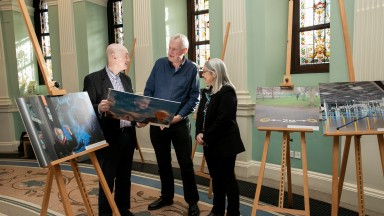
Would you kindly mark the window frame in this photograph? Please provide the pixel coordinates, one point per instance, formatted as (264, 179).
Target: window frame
(191, 13)
(111, 22)
(39, 35)
(296, 68)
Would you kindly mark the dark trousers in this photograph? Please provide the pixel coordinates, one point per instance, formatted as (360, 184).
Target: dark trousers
(117, 172)
(224, 183)
(180, 136)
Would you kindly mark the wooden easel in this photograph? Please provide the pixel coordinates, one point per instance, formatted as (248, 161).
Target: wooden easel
(127, 72)
(287, 81)
(54, 166)
(338, 180)
(285, 167)
(201, 171)
(50, 84)
(54, 170)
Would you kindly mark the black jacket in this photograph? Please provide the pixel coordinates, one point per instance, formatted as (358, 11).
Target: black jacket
(222, 134)
(97, 84)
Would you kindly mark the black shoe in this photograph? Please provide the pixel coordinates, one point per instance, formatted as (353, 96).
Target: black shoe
(193, 210)
(124, 213)
(129, 213)
(213, 214)
(159, 203)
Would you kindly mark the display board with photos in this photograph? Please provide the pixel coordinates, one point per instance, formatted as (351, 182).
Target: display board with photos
(60, 126)
(297, 108)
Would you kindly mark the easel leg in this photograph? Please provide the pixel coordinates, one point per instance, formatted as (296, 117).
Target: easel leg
(261, 173)
(103, 184)
(305, 173)
(359, 175)
(380, 141)
(81, 185)
(289, 176)
(210, 191)
(201, 172)
(283, 167)
(335, 176)
(62, 190)
(47, 191)
(202, 167)
(344, 165)
(141, 154)
(194, 149)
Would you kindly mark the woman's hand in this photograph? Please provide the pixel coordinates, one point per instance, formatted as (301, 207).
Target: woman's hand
(199, 139)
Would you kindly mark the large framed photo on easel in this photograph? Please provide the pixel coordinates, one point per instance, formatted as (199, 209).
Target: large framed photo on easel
(286, 110)
(60, 126)
(69, 119)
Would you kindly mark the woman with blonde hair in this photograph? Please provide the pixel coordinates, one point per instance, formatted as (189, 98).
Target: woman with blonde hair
(218, 132)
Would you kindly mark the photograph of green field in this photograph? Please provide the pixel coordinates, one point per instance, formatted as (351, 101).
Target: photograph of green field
(277, 107)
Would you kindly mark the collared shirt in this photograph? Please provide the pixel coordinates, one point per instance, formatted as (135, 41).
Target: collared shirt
(180, 66)
(118, 85)
(115, 80)
(181, 85)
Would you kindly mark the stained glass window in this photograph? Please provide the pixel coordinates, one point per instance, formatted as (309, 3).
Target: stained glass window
(311, 47)
(198, 33)
(42, 33)
(25, 66)
(115, 21)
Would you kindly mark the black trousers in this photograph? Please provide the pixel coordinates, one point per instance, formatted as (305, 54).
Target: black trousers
(117, 172)
(224, 183)
(179, 134)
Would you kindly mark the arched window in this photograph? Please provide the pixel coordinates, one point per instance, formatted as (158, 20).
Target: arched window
(115, 21)
(42, 33)
(311, 38)
(198, 31)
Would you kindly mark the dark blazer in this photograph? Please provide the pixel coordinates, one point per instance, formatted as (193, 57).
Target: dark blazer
(222, 134)
(97, 85)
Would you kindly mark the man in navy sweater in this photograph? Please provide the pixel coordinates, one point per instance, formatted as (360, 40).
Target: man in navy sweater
(175, 78)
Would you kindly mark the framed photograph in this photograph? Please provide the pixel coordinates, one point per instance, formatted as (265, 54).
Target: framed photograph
(60, 126)
(352, 106)
(138, 108)
(277, 107)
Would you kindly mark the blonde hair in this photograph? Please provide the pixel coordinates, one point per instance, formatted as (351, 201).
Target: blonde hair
(218, 68)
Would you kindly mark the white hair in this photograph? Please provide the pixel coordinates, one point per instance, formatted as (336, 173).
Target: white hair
(183, 39)
(218, 68)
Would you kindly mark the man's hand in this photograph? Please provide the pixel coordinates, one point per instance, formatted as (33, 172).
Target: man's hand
(176, 119)
(140, 125)
(104, 106)
(68, 129)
